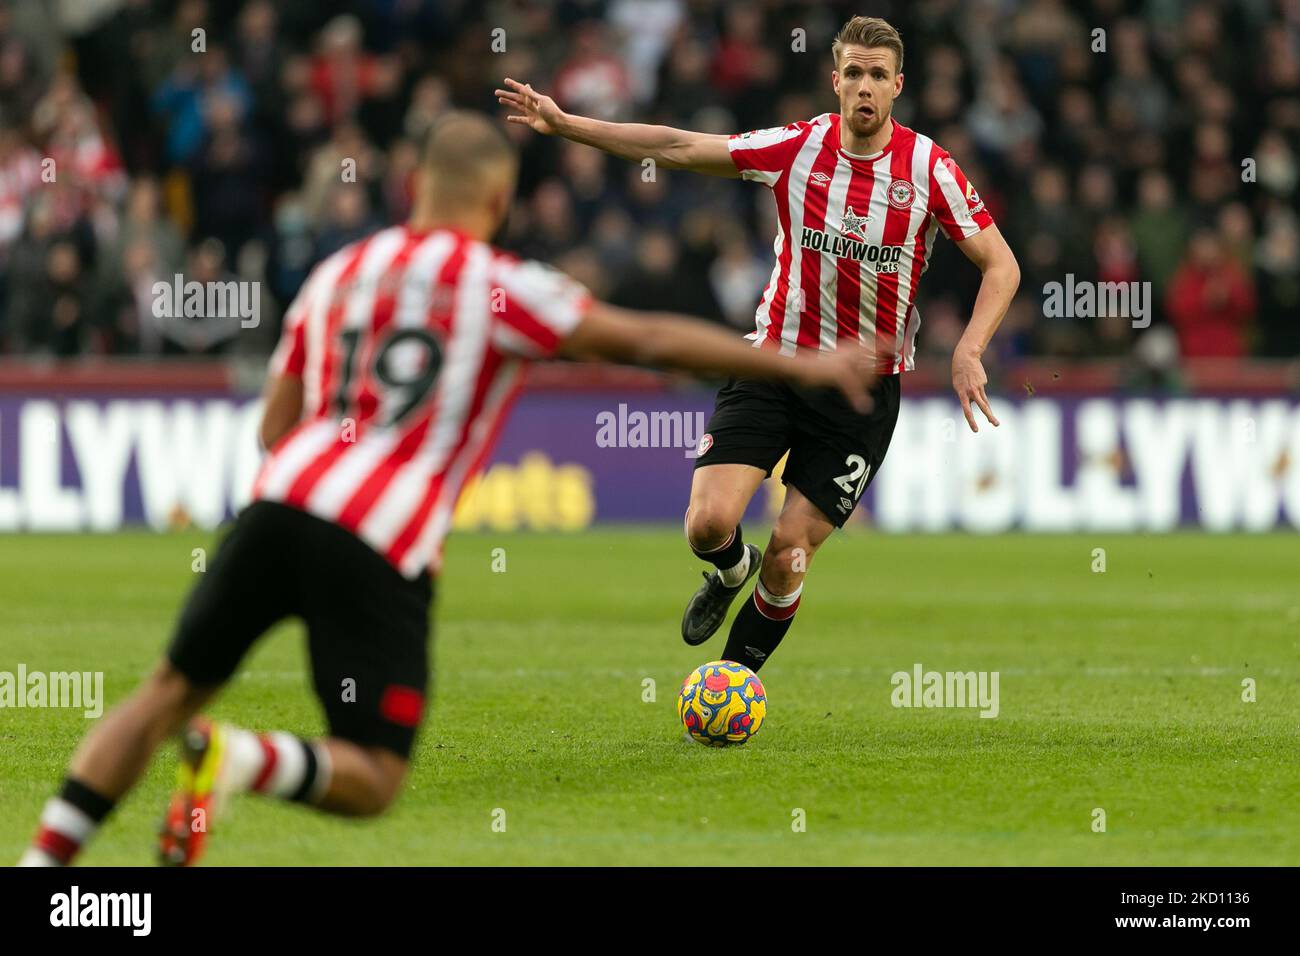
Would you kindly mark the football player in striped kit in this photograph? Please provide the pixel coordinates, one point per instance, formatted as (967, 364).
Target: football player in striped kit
(396, 366)
(860, 199)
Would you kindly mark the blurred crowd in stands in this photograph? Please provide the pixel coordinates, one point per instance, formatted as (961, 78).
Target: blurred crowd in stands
(1145, 141)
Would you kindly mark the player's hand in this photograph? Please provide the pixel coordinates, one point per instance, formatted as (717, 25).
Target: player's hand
(968, 381)
(531, 108)
(852, 371)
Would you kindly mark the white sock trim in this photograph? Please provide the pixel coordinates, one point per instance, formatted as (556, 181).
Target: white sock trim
(290, 767)
(35, 857)
(734, 575)
(62, 817)
(324, 771)
(779, 600)
(244, 758)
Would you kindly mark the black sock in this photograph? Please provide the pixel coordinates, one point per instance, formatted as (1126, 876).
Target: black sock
(757, 630)
(86, 800)
(307, 789)
(727, 556)
(67, 822)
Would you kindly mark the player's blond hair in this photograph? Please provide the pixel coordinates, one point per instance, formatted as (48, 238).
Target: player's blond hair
(868, 31)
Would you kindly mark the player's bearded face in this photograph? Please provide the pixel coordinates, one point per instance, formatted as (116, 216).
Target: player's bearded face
(867, 84)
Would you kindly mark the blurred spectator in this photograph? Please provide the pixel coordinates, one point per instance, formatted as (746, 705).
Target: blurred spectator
(186, 101)
(344, 75)
(647, 28)
(1003, 118)
(48, 289)
(1237, 230)
(259, 52)
(347, 219)
(399, 180)
(125, 319)
(589, 187)
(228, 175)
(592, 80)
(740, 50)
(86, 171)
(1277, 277)
(1135, 85)
(684, 82)
(429, 99)
(654, 281)
(348, 158)
(1159, 228)
(292, 249)
(144, 223)
(738, 278)
(147, 249)
(206, 334)
(1211, 300)
(23, 76)
(1037, 33)
(20, 173)
(1276, 164)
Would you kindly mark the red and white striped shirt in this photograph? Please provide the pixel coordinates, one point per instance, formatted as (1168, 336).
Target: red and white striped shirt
(411, 347)
(855, 233)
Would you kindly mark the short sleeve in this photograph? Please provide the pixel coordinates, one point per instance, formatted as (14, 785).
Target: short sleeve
(954, 201)
(537, 309)
(762, 155)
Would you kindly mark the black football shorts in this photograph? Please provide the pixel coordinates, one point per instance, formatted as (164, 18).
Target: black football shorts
(835, 451)
(367, 625)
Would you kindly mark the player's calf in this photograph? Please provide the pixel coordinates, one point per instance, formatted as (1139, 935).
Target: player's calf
(786, 560)
(765, 618)
(366, 780)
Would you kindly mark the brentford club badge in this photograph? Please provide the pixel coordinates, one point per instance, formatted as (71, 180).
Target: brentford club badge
(901, 194)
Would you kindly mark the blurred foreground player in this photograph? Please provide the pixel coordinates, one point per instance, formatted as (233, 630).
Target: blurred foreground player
(397, 364)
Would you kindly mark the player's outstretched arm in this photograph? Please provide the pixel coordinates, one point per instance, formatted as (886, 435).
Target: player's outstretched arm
(667, 341)
(668, 147)
(988, 250)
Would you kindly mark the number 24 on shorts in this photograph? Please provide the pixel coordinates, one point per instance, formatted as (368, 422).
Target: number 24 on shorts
(859, 471)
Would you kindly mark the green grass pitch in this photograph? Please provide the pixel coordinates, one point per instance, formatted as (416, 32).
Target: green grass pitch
(1119, 690)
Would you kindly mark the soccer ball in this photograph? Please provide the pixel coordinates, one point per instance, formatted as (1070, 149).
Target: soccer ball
(722, 703)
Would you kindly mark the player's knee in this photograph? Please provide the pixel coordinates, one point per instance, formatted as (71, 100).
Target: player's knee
(709, 524)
